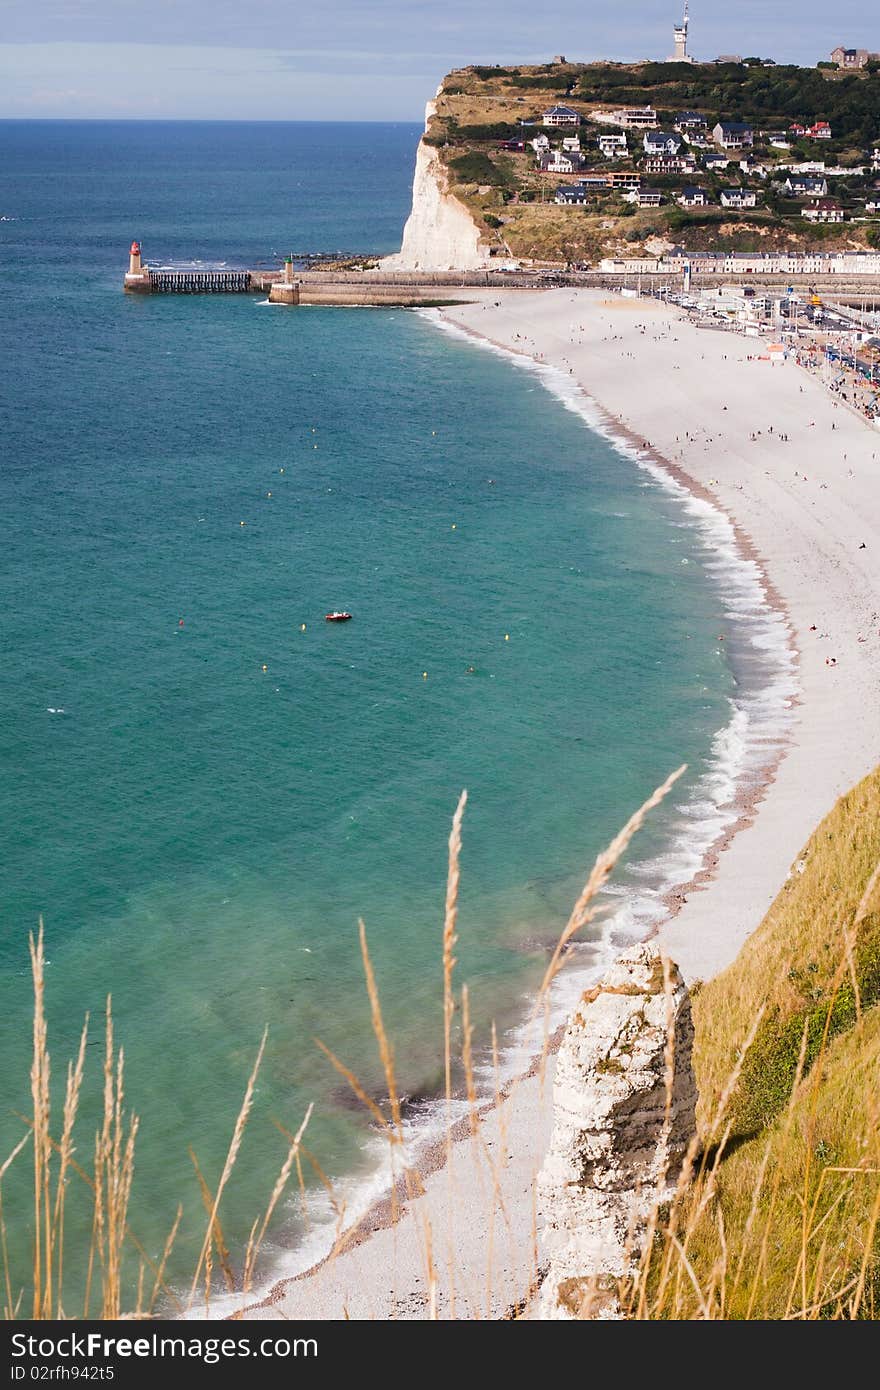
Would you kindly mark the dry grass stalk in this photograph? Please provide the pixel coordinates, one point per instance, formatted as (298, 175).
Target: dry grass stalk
(159, 1276)
(10, 1307)
(231, 1156)
(217, 1237)
(42, 1299)
(254, 1244)
(66, 1152)
(582, 913)
(450, 940)
(114, 1171)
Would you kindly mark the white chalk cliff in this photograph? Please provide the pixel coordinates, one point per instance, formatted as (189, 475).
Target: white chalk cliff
(440, 233)
(616, 1148)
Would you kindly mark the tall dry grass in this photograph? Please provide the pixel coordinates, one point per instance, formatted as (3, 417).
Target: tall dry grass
(41, 1291)
(775, 1211)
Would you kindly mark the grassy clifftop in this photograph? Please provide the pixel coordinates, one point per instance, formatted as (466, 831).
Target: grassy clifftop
(480, 108)
(784, 1217)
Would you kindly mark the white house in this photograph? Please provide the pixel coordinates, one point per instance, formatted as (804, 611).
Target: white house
(690, 120)
(571, 144)
(733, 135)
(644, 197)
(613, 146)
(823, 210)
(779, 142)
(715, 161)
(693, 197)
(540, 144)
(560, 115)
(821, 130)
(561, 162)
(669, 164)
(806, 186)
(634, 117)
(629, 265)
(738, 198)
(661, 142)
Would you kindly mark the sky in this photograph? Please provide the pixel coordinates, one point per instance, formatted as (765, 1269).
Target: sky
(357, 59)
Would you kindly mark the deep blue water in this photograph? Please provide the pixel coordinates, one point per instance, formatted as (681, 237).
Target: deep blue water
(227, 782)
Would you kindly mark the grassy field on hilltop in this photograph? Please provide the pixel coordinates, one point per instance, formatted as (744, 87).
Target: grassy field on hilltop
(479, 108)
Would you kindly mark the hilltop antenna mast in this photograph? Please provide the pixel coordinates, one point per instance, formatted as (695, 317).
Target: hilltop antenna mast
(680, 39)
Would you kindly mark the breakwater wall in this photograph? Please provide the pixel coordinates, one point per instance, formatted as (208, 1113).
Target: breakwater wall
(391, 288)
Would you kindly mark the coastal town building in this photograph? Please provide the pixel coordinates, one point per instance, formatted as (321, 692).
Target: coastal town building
(561, 162)
(598, 183)
(644, 197)
(848, 263)
(733, 135)
(669, 164)
(634, 117)
(738, 198)
(806, 186)
(853, 58)
(573, 195)
(779, 141)
(690, 121)
(806, 166)
(693, 197)
(715, 162)
(630, 265)
(613, 146)
(823, 210)
(697, 139)
(820, 130)
(623, 178)
(560, 115)
(540, 144)
(661, 142)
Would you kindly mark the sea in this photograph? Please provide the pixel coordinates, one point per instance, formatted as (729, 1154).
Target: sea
(206, 786)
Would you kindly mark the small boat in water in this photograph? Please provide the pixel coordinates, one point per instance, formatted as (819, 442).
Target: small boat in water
(337, 617)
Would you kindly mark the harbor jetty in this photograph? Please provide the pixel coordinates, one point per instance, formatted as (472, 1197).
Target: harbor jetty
(381, 288)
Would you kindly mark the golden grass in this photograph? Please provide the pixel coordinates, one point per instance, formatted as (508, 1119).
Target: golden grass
(781, 1218)
(775, 1212)
(790, 964)
(783, 1226)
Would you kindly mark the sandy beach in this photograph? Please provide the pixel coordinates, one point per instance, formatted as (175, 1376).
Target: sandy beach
(798, 473)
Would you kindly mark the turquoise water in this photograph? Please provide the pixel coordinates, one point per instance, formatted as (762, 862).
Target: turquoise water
(201, 834)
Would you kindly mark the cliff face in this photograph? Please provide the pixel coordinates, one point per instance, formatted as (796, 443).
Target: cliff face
(615, 1148)
(440, 233)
